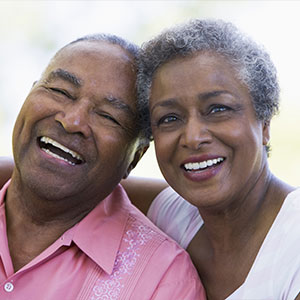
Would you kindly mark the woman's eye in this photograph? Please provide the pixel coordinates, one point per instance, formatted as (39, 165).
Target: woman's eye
(218, 108)
(167, 120)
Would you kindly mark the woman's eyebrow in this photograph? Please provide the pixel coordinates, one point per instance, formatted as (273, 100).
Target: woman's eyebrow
(212, 94)
(164, 103)
(64, 75)
(202, 96)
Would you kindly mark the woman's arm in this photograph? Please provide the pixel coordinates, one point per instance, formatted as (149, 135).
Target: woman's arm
(142, 191)
(6, 168)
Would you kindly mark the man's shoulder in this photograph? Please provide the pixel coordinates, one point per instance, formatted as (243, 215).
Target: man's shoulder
(165, 267)
(148, 238)
(141, 227)
(143, 237)
(147, 262)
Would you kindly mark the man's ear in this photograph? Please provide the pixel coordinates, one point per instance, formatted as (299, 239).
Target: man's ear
(266, 133)
(137, 156)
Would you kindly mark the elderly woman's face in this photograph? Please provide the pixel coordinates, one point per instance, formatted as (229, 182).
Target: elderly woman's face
(209, 144)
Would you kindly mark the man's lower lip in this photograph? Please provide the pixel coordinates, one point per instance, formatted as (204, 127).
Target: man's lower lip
(203, 175)
(56, 160)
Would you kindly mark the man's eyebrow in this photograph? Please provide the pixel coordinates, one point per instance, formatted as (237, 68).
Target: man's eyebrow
(119, 104)
(64, 75)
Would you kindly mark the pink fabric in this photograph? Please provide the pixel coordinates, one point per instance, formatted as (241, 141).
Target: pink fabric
(113, 253)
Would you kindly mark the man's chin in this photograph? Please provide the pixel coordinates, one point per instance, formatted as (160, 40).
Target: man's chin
(51, 187)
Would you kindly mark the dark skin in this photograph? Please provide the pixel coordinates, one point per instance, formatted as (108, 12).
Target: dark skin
(240, 211)
(135, 187)
(228, 258)
(200, 112)
(85, 101)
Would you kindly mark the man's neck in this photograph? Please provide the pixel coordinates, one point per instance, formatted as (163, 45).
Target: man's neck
(33, 224)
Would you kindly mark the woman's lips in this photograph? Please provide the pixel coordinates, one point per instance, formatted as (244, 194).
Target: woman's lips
(204, 168)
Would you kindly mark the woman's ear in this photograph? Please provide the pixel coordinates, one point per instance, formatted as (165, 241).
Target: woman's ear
(137, 156)
(266, 133)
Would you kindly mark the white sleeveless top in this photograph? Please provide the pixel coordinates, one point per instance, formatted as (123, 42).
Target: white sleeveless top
(275, 273)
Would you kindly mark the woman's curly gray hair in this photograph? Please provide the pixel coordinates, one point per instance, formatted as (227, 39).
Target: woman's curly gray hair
(252, 63)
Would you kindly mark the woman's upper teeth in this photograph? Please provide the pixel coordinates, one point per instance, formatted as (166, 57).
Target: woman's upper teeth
(203, 164)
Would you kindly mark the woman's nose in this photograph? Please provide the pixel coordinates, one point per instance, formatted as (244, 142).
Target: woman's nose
(74, 118)
(195, 134)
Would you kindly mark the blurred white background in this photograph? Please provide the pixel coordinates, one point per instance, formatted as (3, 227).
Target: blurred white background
(32, 31)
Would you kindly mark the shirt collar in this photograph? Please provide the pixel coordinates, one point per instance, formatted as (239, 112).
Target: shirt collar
(3, 192)
(100, 233)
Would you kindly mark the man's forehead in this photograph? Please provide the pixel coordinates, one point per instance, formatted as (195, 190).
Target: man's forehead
(98, 49)
(102, 60)
(85, 64)
(95, 56)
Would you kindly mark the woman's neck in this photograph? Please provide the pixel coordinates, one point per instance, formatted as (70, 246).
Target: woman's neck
(255, 206)
(226, 246)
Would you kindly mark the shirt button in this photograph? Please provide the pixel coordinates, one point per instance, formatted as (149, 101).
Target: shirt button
(8, 287)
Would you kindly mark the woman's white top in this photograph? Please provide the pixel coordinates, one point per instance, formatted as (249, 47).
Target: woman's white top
(275, 273)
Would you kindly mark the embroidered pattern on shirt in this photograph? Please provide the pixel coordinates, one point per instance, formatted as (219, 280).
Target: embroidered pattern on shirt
(135, 238)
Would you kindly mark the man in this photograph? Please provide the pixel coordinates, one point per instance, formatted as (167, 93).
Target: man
(68, 230)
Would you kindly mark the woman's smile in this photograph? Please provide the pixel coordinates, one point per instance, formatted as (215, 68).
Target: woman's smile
(199, 169)
(207, 138)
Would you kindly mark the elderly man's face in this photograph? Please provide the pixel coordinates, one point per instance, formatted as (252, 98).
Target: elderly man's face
(76, 132)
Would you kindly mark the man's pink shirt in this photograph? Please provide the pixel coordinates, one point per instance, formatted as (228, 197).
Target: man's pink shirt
(115, 252)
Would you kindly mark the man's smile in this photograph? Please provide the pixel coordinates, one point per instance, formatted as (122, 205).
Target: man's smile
(59, 151)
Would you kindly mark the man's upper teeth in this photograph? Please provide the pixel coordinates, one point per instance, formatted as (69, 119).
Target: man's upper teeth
(47, 140)
(57, 156)
(202, 164)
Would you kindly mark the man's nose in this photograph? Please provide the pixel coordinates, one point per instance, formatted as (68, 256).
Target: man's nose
(195, 134)
(74, 118)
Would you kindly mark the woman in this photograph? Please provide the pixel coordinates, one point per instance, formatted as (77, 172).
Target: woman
(212, 93)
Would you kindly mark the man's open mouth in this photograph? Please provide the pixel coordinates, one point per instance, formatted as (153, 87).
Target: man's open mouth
(59, 151)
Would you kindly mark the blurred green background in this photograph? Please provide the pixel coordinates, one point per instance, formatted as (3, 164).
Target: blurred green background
(32, 31)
